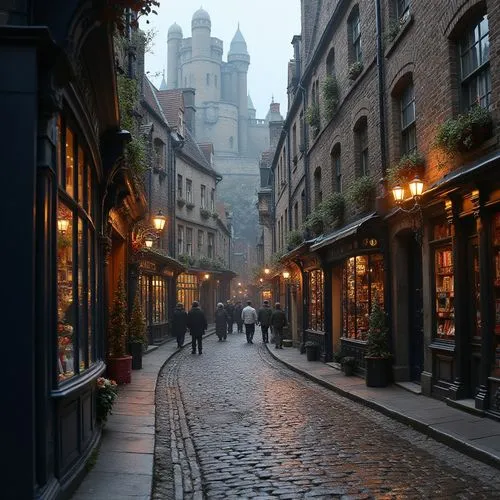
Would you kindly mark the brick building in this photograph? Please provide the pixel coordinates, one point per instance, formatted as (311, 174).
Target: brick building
(377, 92)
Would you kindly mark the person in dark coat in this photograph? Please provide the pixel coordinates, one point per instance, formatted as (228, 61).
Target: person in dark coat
(278, 322)
(237, 316)
(197, 324)
(229, 307)
(264, 318)
(179, 323)
(221, 322)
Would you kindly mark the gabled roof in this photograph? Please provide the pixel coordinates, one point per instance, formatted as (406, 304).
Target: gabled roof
(150, 96)
(193, 151)
(208, 150)
(171, 101)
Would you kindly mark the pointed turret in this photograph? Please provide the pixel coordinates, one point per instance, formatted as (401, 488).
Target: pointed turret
(163, 84)
(174, 39)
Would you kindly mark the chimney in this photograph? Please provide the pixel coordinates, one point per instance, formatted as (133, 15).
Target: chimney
(189, 109)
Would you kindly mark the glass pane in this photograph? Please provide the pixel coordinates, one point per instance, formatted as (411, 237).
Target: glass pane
(66, 314)
(476, 306)
(362, 296)
(496, 289)
(445, 313)
(82, 293)
(81, 175)
(91, 297)
(70, 162)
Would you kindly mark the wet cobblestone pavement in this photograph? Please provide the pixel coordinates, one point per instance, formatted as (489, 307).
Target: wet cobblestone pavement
(235, 423)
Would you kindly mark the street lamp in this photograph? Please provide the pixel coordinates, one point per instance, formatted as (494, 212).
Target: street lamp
(286, 274)
(267, 270)
(148, 241)
(159, 221)
(62, 225)
(416, 187)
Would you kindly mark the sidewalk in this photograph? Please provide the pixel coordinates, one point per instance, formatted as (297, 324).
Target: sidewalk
(124, 465)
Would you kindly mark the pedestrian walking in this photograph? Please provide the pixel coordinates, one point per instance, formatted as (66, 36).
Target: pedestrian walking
(278, 322)
(221, 321)
(197, 324)
(264, 319)
(238, 309)
(249, 317)
(179, 324)
(229, 307)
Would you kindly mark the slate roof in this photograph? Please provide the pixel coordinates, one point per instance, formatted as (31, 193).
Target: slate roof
(149, 92)
(171, 101)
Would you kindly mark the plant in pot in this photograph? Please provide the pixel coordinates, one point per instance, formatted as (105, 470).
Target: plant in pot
(330, 90)
(119, 362)
(466, 132)
(332, 209)
(362, 193)
(348, 365)
(312, 350)
(294, 239)
(137, 334)
(106, 393)
(355, 70)
(314, 222)
(377, 354)
(402, 172)
(313, 118)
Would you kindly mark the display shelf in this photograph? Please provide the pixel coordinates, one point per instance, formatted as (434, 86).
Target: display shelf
(444, 293)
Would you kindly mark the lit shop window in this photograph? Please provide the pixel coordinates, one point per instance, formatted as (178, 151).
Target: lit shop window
(363, 283)
(316, 300)
(76, 269)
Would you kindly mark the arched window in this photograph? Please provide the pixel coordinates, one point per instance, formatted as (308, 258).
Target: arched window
(330, 63)
(354, 36)
(336, 168)
(318, 193)
(361, 146)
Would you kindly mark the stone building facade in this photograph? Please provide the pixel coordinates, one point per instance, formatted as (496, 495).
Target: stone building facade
(368, 112)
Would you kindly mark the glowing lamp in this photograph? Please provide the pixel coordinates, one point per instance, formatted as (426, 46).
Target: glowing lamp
(62, 225)
(416, 187)
(148, 241)
(399, 194)
(286, 274)
(267, 270)
(159, 221)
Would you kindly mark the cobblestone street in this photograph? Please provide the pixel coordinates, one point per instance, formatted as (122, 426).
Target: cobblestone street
(235, 423)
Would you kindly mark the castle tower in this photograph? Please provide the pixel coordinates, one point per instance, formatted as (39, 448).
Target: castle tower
(174, 39)
(239, 58)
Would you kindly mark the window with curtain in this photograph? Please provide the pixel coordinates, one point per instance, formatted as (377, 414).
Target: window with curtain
(475, 75)
(203, 196)
(189, 241)
(179, 186)
(76, 254)
(180, 240)
(316, 301)
(189, 191)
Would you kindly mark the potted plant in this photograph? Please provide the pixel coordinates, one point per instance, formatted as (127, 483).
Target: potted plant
(330, 90)
(294, 239)
(106, 393)
(137, 335)
(314, 222)
(312, 350)
(405, 169)
(181, 202)
(313, 118)
(355, 70)
(215, 215)
(465, 132)
(362, 192)
(189, 205)
(377, 354)
(332, 208)
(348, 365)
(204, 213)
(119, 362)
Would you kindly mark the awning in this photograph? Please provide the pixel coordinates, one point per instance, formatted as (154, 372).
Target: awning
(349, 230)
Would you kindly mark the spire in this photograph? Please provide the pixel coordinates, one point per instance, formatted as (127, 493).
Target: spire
(163, 84)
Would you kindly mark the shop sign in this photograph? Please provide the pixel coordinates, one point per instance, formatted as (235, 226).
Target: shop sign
(167, 272)
(147, 265)
(340, 250)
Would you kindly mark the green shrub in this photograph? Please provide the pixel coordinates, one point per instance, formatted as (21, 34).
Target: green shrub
(313, 117)
(405, 169)
(330, 89)
(355, 70)
(294, 239)
(377, 344)
(362, 192)
(332, 209)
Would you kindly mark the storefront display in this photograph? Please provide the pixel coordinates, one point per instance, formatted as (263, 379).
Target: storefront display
(496, 288)
(444, 282)
(75, 257)
(187, 289)
(316, 300)
(363, 283)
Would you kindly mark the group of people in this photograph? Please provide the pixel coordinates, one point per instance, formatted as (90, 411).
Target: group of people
(225, 317)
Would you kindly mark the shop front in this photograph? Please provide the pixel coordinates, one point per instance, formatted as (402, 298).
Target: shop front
(341, 293)
(463, 330)
(153, 277)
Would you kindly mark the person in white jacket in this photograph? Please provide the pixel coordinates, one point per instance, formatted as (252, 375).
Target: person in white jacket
(249, 317)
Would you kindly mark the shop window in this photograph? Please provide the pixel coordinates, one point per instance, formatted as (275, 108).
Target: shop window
(496, 288)
(363, 283)
(316, 300)
(76, 267)
(187, 289)
(475, 75)
(159, 300)
(144, 287)
(444, 281)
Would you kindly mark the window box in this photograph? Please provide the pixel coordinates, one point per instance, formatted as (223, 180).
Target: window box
(205, 214)
(181, 202)
(355, 69)
(190, 205)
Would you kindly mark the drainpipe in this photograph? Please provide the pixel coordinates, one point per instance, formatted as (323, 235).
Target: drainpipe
(381, 86)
